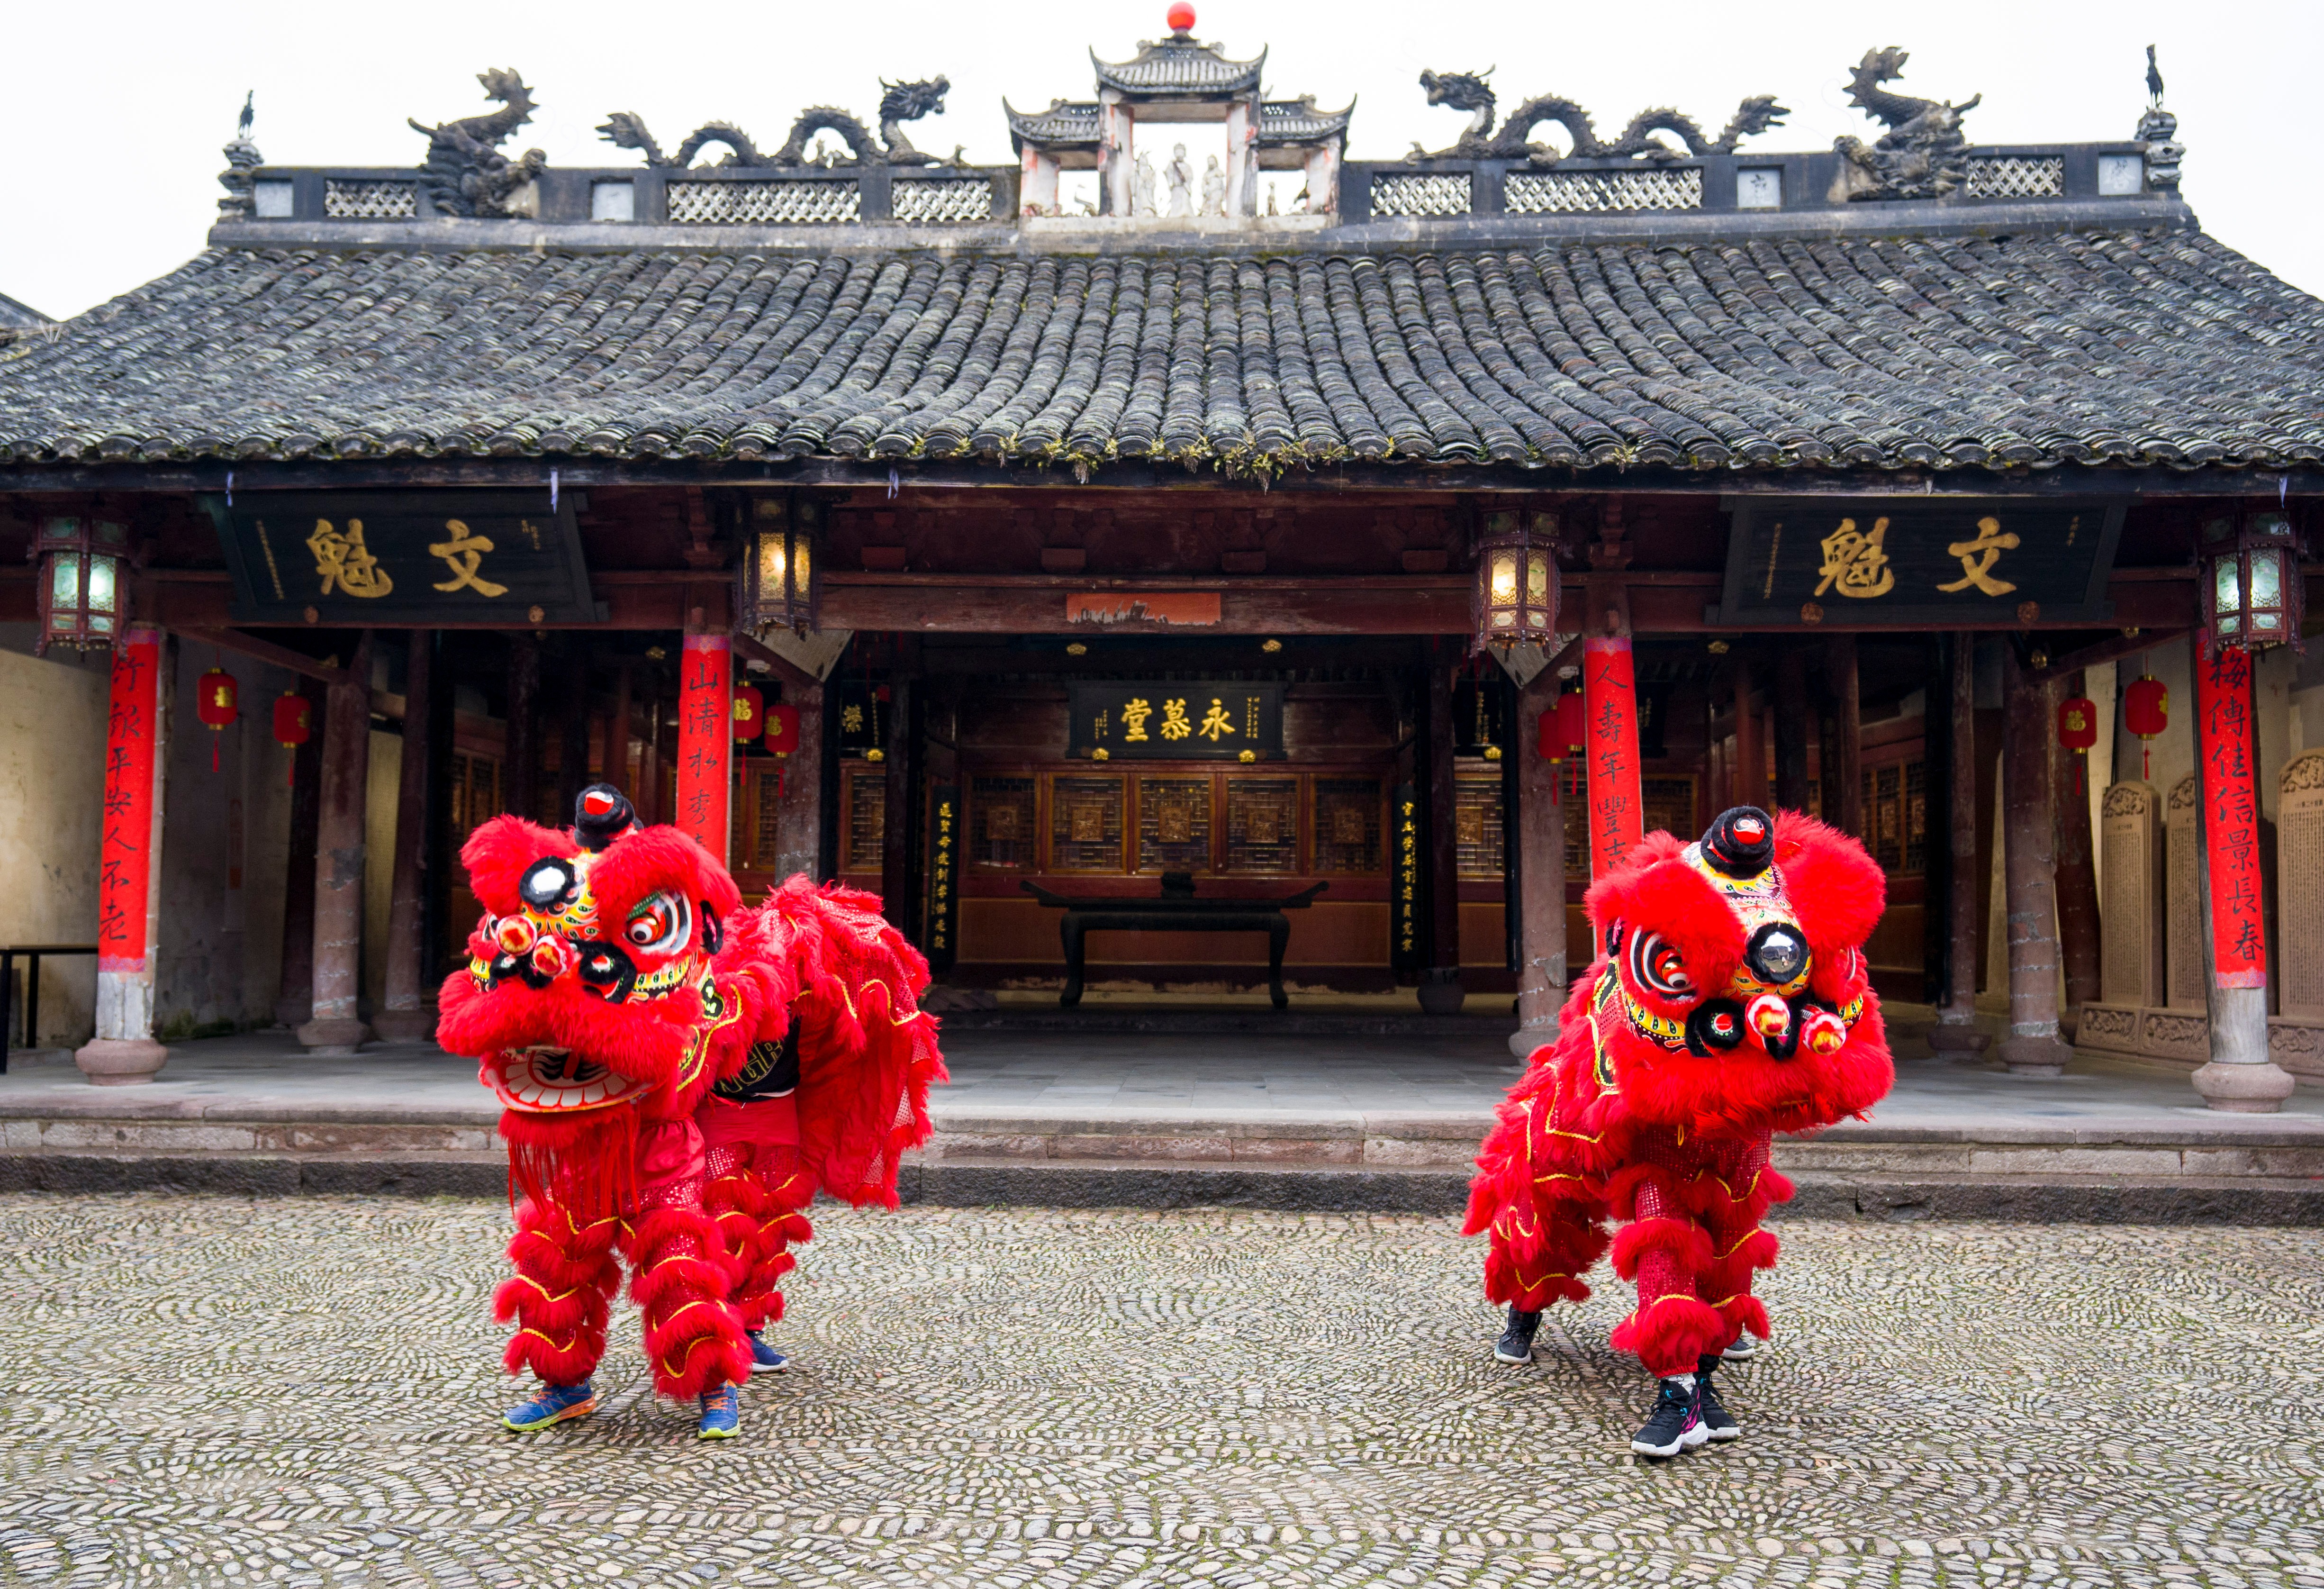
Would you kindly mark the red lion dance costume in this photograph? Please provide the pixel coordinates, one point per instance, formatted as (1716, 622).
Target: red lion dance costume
(1730, 1002)
(679, 1076)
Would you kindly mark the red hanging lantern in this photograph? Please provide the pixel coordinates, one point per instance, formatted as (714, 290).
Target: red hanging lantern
(1562, 728)
(2145, 712)
(750, 707)
(215, 695)
(2077, 731)
(294, 725)
(782, 729)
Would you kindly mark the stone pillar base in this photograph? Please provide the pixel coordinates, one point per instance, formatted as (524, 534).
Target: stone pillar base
(1957, 1037)
(121, 1062)
(1527, 1038)
(2036, 1055)
(2243, 1089)
(405, 1026)
(1440, 992)
(334, 1037)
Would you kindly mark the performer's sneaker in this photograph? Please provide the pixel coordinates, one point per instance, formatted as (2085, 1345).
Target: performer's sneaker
(1715, 1420)
(1675, 1426)
(765, 1359)
(554, 1405)
(722, 1413)
(1744, 1349)
(1515, 1344)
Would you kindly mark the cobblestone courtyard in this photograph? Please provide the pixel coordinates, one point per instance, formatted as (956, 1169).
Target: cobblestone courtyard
(305, 1392)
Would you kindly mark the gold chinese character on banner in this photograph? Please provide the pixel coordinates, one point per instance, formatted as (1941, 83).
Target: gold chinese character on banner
(344, 561)
(1856, 562)
(464, 554)
(1134, 713)
(1977, 558)
(851, 719)
(1215, 722)
(1173, 720)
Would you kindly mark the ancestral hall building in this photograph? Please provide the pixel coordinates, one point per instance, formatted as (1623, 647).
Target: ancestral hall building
(1185, 536)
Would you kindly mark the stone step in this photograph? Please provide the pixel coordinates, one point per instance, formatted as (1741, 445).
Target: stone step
(1099, 1183)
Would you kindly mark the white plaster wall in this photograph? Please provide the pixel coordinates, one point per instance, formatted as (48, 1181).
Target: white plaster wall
(52, 714)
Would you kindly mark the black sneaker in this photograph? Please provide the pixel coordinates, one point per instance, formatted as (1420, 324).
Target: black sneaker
(1675, 1426)
(1717, 1423)
(1744, 1349)
(1515, 1344)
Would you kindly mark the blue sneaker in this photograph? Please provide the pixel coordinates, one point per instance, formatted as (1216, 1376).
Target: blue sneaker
(554, 1405)
(765, 1359)
(722, 1413)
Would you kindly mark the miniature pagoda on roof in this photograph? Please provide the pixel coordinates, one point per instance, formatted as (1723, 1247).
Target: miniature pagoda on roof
(1179, 80)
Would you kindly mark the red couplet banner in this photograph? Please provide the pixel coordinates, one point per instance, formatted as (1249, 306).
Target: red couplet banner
(706, 739)
(1610, 699)
(125, 869)
(2227, 751)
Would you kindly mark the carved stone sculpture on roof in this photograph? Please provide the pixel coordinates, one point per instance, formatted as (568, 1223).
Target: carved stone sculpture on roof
(1923, 154)
(2158, 129)
(465, 171)
(899, 103)
(1214, 189)
(1180, 174)
(1141, 186)
(242, 159)
(1470, 92)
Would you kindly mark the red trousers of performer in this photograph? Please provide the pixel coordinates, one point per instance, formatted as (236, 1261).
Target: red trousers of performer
(567, 1269)
(1692, 1245)
(758, 1194)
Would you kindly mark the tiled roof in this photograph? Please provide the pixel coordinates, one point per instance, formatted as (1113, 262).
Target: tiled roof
(1178, 65)
(2111, 347)
(1066, 121)
(1287, 121)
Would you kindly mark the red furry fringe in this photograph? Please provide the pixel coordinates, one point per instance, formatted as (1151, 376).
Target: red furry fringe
(1671, 1333)
(1687, 1243)
(589, 1160)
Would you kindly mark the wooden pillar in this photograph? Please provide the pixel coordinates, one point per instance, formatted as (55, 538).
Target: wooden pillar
(521, 766)
(1749, 775)
(897, 773)
(1843, 768)
(1791, 714)
(337, 1026)
(295, 1004)
(706, 741)
(2078, 878)
(2033, 1047)
(404, 1016)
(1956, 1027)
(1609, 706)
(646, 798)
(1541, 879)
(123, 1052)
(572, 733)
(619, 731)
(799, 820)
(1439, 979)
(2241, 1077)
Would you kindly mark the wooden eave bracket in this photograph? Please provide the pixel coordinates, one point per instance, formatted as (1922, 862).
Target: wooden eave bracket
(266, 651)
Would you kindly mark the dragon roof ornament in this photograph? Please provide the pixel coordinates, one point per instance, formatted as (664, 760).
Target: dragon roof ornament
(1470, 92)
(900, 103)
(465, 173)
(1923, 154)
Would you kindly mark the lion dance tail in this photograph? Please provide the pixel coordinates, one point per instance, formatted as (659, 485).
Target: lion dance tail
(1543, 1239)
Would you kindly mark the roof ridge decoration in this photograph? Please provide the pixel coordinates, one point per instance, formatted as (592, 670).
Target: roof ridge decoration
(899, 102)
(2158, 129)
(1923, 153)
(1470, 92)
(243, 160)
(1179, 64)
(465, 173)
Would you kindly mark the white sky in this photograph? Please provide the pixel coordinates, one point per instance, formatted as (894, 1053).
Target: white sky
(111, 180)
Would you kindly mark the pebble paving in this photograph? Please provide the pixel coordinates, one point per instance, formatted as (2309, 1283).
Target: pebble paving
(214, 1390)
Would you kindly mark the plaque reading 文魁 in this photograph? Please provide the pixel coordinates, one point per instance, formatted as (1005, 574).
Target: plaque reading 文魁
(406, 557)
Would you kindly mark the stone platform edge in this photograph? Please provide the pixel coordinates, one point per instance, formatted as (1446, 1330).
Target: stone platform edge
(2057, 1198)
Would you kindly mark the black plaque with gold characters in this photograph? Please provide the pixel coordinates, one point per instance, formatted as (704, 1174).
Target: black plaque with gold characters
(1924, 561)
(432, 557)
(944, 832)
(1179, 720)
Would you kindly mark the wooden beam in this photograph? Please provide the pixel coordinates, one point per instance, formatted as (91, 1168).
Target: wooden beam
(2113, 649)
(265, 651)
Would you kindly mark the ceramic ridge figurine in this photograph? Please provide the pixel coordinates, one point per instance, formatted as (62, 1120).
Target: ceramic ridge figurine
(1730, 1000)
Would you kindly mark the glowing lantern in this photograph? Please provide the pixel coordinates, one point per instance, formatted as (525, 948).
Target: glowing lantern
(750, 707)
(294, 725)
(1516, 580)
(2077, 731)
(782, 729)
(778, 567)
(79, 594)
(215, 695)
(2145, 712)
(2251, 567)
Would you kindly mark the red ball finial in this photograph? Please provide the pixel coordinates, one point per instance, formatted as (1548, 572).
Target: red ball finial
(1180, 17)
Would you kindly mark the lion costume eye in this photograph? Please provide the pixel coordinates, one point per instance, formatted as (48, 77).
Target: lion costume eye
(1656, 967)
(660, 923)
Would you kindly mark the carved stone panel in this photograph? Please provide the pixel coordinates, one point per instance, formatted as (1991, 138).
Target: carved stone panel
(2130, 895)
(2300, 883)
(2184, 893)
